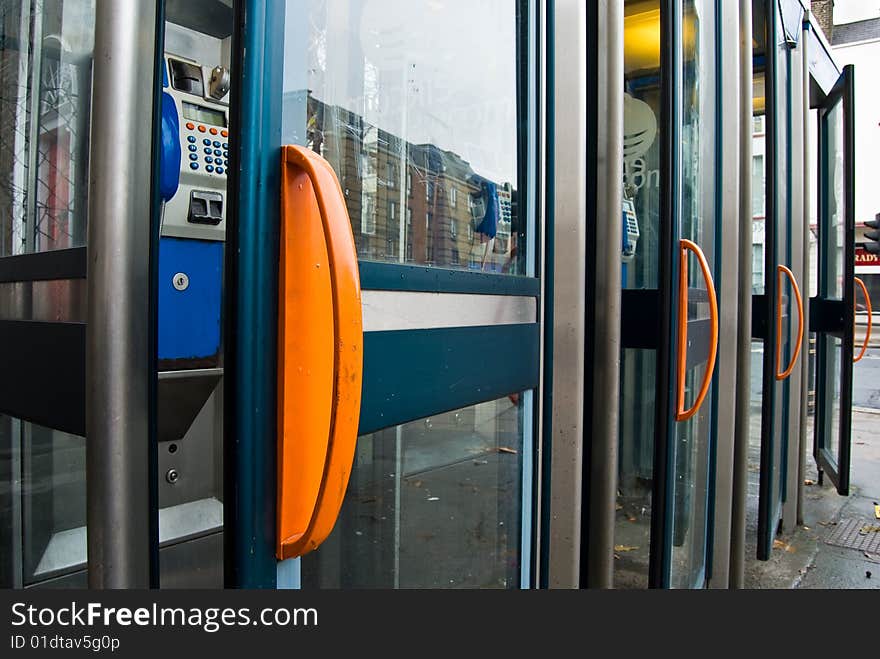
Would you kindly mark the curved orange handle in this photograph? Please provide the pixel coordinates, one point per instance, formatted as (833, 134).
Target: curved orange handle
(320, 352)
(685, 246)
(800, 335)
(870, 318)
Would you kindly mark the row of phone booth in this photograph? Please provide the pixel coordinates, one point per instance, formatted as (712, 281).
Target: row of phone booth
(363, 327)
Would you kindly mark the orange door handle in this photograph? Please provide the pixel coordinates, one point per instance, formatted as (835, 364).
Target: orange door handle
(870, 318)
(800, 335)
(320, 352)
(685, 246)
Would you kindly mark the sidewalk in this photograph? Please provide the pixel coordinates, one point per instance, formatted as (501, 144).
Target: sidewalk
(803, 557)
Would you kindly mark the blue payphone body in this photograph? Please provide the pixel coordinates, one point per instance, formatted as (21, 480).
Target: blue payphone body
(193, 222)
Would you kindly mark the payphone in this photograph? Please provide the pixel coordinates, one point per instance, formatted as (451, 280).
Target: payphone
(196, 84)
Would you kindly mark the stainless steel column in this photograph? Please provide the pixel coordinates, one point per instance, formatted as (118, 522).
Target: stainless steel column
(744, 329)
(118, 350)
(566, 477)
(805, 287)
(603, 437)
(796, 241)
(730, 233)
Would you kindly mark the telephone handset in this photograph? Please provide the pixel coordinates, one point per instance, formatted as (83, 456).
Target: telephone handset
(630, 229)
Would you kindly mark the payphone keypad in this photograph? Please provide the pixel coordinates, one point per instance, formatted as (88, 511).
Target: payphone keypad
(208, 151)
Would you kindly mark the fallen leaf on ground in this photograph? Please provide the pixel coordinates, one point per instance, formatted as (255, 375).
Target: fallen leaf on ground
(869, 528)
(809, 482)
(779, 544)
(624, 548)
(630, 518)
(618, 507)
(504, 449)
(877, 510)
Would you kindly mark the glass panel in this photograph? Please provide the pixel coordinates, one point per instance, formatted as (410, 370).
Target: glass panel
(45, 94)
(632, 530)
(641, 186)
(434, 503)
(693, 437)
(415, 108)
(783, 114)
(642, 138)
(830, 348)
(42, 503)
(833, 211)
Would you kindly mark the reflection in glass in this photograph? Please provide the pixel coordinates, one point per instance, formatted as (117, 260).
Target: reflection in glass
(416, 107)
(632, 529)
(641, 185)
(834, 202)
(830, 351)
(433, 503)
(42, 503)
(45, 93)
(692, 438)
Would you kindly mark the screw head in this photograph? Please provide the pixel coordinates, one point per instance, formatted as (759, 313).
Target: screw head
(172, 476)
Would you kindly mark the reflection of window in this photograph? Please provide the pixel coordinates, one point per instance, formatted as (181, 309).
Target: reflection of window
(429, 191)
(392, 210)
(390, 247)
(453, 196)
(757, 266)
(757, 186)
(453, 228)
(368, 216)
(391, 174)
(409, 182)
(429, 243)
(408, 218)
(758, 125)
(409, 256)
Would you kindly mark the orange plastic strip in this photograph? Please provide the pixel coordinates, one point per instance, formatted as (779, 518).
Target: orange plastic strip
(683, 414)
(870, 318)
(320, 352)
(800, 334)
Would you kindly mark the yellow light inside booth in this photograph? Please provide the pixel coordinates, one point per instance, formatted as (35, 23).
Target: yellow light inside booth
(641, 35)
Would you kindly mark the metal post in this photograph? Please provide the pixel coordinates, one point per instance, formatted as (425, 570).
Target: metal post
(569, 276)
(607, 294)
(797, 235)
(729, 174)
(118, 337)
(744, 329)
(805, 354)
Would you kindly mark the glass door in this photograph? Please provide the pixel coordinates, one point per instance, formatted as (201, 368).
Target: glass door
(424, 113)
(670, 321)
(834, 310)
(778, 309)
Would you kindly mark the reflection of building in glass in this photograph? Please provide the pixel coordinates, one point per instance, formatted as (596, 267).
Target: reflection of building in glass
(435, 194)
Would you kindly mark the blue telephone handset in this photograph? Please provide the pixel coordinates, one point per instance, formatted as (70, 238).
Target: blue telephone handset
(169, 148)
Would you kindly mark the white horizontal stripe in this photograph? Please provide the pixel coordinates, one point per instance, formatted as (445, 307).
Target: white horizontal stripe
(399, 310)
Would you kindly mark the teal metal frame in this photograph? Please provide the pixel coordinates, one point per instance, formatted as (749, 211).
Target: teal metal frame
(252, 297)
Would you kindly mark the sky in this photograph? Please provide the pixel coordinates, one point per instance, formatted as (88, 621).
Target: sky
(848, 11)
(438, 71)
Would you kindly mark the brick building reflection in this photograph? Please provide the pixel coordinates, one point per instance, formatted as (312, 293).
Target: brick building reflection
(387, 181)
